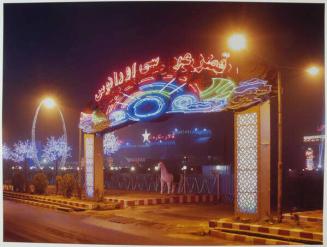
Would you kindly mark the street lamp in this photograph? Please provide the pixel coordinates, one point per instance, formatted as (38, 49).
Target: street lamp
(48, 103)
(237, 42)
(313, 70)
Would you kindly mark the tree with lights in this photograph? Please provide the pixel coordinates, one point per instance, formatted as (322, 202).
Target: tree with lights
(54, 150)
(22, 151)
(6, 157)
(6, 152)
(111, 144)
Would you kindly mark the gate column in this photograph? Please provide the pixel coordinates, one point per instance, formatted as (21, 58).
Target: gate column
(252, 162)
(93, 153)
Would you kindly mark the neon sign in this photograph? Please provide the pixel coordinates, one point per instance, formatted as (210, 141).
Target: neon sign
(188, 84)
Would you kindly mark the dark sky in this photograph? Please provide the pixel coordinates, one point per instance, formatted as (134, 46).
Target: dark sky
(68, 49)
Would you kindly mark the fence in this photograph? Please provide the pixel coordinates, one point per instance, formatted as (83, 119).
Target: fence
(194, 184)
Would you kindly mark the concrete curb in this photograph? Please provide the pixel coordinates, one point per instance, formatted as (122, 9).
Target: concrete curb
(60, 201)
(249, 239)
(294, 233)
(302, 218)
(179, 199)
(40, 204)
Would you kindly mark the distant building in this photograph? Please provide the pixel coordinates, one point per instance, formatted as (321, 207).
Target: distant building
(314, 147)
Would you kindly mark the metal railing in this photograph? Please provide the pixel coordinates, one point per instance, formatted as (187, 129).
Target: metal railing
(194, 184)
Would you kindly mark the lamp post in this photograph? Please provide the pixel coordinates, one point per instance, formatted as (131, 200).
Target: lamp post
(79, 170)
(49, 103)
(280, 148)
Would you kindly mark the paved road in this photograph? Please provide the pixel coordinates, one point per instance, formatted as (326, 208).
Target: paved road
(25, 223)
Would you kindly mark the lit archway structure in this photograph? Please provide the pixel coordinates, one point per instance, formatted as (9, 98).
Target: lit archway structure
(185, 85)
(35, 157)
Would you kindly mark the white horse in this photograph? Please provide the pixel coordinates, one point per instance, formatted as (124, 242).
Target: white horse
(166, 177)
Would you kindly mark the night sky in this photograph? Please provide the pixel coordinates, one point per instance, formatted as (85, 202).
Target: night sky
(68, 49)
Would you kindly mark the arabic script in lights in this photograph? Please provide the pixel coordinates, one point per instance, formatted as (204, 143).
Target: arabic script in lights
(131, 72)
(181, 71)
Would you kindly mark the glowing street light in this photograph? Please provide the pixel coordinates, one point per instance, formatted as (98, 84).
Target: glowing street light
(313, 70)
(237, 42)
(49, 103)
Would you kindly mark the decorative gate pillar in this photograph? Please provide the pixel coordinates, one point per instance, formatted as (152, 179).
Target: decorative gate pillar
(252, 162)
(93, 153)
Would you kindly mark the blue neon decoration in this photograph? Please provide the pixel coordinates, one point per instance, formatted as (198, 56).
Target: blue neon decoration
(148, 107)
(155, 98)
(249, 86)
(170, 87)
(181, 103)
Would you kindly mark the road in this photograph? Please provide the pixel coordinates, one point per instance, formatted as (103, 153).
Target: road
(26, 223)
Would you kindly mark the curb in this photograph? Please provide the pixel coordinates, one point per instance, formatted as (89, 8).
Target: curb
(39, 204)
(294, 233)
(179, 199)
(249, 239)
(302, 218)
(76, 204)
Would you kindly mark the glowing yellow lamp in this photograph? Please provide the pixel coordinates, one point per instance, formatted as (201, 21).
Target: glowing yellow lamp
(237, 42)
(49, 103)
(313, 70)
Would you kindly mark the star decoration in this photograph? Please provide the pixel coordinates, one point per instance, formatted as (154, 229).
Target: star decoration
(146, 136)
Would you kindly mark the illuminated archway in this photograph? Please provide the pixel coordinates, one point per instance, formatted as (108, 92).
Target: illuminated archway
(188, 84)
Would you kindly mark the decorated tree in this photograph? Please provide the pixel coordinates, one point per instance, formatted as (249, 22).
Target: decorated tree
(6, 156)
(22, 151)
(55, 149)
(6, 152)
(110, 144)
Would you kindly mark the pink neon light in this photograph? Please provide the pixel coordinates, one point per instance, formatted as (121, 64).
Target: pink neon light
(182, 68)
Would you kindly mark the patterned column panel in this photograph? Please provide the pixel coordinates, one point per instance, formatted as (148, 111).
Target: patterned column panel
(247, 163)
(89, 164)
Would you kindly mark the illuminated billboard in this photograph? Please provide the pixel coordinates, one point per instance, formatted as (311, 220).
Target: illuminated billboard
(188, 84)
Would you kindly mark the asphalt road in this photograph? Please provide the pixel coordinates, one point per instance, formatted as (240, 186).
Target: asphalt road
(26, 223)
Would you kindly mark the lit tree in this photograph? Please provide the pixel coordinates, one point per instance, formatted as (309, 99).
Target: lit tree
(6, 152)
(55, 149)
(110, 143)
(22, 151)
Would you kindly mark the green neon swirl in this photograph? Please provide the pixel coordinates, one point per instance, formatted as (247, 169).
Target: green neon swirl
(220, 88)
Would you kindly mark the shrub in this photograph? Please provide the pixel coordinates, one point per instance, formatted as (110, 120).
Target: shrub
(40, 182)
(18, 181)
(68, 184)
